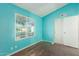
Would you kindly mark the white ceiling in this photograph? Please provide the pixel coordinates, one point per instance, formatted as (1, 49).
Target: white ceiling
(41, 9)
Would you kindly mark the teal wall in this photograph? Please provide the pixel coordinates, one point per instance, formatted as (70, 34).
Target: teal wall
(44, 27)
(7, 27)
(48, 20)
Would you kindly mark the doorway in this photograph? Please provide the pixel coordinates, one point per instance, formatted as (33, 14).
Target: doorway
(66, 31)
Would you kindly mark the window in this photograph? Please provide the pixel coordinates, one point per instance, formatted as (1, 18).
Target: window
(24, 27)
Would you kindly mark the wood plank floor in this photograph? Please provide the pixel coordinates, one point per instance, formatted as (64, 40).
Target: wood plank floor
(47, 49)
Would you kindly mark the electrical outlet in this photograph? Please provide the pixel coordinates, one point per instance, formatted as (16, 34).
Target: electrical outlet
(16, 46)
(11, 48)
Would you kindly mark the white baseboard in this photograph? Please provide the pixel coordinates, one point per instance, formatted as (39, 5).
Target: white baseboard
(49, 42)
(53, 43)
(22, 48)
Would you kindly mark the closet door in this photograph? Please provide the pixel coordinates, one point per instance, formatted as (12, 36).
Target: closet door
(70, 31)
(58, 31)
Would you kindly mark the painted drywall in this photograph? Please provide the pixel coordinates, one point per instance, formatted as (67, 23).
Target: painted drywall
(71, 9)
(8, 44)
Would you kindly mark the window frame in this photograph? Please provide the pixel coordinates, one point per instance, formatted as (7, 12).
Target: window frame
(15, 28)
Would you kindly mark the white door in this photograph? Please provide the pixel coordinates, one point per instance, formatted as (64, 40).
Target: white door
(70, 31)
(58, 31)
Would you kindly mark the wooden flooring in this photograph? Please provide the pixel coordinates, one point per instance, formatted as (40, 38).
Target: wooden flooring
(47, 49)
